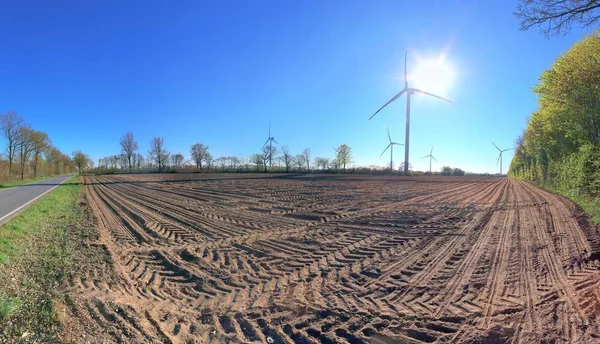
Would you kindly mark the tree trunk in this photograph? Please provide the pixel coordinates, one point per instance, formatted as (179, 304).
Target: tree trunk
(10, 159)
(35, 165)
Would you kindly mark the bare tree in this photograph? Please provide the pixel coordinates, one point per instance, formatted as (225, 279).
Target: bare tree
(322, 163)
(114, 161)
(266, 153)
(81, 160)
(128, 147)
(158, 153)
(25, 147)
(344, 155)
(52, 159)
(557, 16)
(123, 162)
(287, 158)
(11, 124)
(139, 161)
(177, 160)
(299, 160)
(235, 162)
(209, 160)
(335, 164)
(41, 143)
(306, 154)
(199, 152)
(257, 159)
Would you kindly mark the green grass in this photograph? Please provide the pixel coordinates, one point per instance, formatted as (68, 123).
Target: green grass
(9, 306)
(17, 182)
(590, 206)
(36, 258)
(56, 208)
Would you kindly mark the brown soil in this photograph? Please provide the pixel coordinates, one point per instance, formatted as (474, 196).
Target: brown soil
(336, 259)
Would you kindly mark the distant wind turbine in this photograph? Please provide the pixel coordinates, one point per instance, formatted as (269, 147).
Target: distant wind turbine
(391, 146)
(500, 156)
(270, 141)
(430, 156)
(409, 92)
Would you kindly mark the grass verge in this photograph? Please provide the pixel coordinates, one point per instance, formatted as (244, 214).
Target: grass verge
(35, 261)
(591, 206)
(11, 183)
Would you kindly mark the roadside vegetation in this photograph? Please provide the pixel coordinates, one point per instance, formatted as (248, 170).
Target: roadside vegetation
(28, 153)
(560, 148)
(38, 249)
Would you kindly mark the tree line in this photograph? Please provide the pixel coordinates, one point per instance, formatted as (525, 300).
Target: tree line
(270, 158)
(29, 152)
(560, 146)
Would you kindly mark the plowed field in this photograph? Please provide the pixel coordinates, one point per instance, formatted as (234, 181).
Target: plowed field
(336, 259)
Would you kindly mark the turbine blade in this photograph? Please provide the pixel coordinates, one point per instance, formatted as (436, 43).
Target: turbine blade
(386, 148)
(275, 141)
(434, 159)
(405, 69)
(507, 149)
(397, 144)
(389, 137)
(431, 94)
(496, 146)
(389, 101)
(267, 142)
(431, 152)
(426, 156)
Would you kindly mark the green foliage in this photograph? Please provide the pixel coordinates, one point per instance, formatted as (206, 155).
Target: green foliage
(458, 172)
(561, 144)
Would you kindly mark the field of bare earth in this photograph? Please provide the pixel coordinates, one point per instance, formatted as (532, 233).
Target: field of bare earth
(244, 258)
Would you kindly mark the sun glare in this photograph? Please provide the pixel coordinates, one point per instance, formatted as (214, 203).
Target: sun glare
(432, 75)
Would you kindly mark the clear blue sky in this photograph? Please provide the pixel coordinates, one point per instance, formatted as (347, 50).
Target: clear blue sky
(216, 72)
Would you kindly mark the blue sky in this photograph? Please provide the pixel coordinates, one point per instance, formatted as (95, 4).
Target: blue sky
(216, 72)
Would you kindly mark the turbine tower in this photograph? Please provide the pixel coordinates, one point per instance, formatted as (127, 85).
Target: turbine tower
(409, 92)
(430, 156)
(270, 141)
(500, 156)
(391, 146)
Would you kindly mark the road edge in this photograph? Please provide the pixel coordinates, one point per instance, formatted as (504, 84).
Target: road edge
(17, 211)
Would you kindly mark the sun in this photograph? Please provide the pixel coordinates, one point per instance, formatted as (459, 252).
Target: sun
(432, 75)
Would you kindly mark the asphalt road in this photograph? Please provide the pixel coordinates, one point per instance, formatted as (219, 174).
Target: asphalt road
(16, 199)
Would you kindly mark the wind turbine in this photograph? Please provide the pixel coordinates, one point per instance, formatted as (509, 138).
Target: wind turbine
(430, 156)
(391, 146)
(500, 156)
(270, 141)
(409, 92)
